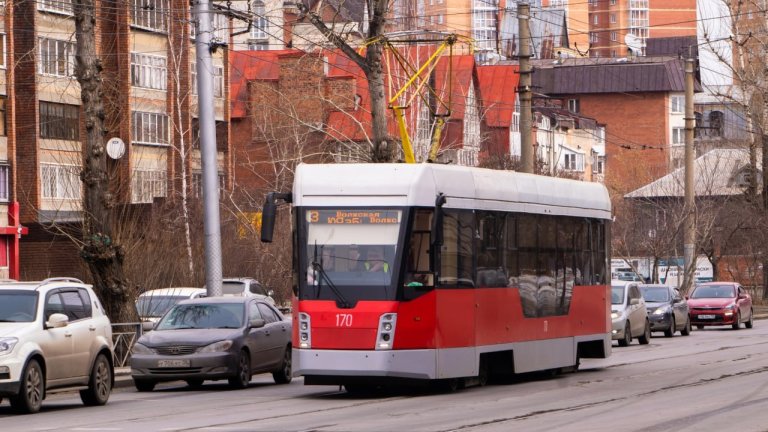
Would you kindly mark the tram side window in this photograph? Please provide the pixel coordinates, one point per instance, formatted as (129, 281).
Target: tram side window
(490, 265)
(601, 271)
(456, 255)
(527, 279)
(510, 250)
(417, 270)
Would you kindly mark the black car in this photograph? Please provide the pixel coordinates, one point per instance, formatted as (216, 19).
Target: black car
(667, 309)
(214, 338)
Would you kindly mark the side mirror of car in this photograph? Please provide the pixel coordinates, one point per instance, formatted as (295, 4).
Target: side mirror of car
(147, 326)
(742, 296)
(257, 323)
(634, 301)
(676, 300)
(57, 320)
(271, 293)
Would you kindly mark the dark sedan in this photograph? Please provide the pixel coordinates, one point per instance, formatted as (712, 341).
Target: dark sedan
(214, 338)
(667, 309)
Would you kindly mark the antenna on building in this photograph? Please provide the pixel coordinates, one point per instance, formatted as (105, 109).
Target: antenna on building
(634, 45)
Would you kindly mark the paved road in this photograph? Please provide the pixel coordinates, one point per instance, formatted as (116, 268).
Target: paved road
(711, 380)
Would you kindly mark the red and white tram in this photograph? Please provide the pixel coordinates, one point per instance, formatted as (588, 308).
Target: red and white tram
(444, 273)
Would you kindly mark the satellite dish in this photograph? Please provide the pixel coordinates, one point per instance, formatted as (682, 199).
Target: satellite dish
(115, 148)
(633, 43)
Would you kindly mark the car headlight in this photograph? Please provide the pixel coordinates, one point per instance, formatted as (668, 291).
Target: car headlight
(141, 349)
(615, 315)
(730, 307)
(661, 310)
(7, 344)
(216, 347)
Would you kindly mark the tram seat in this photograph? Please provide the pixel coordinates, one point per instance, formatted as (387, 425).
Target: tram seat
(491, 277)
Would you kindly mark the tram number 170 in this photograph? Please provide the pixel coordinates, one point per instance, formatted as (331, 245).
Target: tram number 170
(343, 320)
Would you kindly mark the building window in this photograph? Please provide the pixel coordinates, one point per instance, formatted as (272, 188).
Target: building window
(677, 104)
(149, 71)
(574, 162)
(57, 57)
(678, 136)
(148, 184)
(573, 105)
(220, 24)
(4, 49)
(259, 24)
(595, 19)
(613, 18)
(593, 3)
(60, 181)
(613, 53)
(484, 23)
(197, 184)
(598, 164)
(614, 36)
(613, 2)
(4, 187)
(59, 121)
(592, 37)
(218, 80)
(57, 6)
(468, 155)
(150, 14)
(716, 119)
(150, 128)
(3, 129)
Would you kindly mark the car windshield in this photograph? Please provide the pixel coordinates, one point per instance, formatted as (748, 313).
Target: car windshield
(617, 295)
(714, 291)
(655, 294)
(17, 306)
(203, 316)
(155, 306)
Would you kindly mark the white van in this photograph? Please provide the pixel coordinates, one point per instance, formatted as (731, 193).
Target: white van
(246, 287)
(153, 304)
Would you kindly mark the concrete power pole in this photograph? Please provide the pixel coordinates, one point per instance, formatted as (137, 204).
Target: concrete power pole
(211, 221)
(689, 246)
(524, 90)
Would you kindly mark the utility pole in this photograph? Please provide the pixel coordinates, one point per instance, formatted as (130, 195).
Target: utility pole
(524, 89)
(211, 221)
(689, 246)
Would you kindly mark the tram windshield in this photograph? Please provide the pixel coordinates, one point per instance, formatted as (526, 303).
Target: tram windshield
(350, 253)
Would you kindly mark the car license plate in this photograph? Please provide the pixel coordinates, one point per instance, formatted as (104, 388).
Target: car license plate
(172, 363)
(706, 317)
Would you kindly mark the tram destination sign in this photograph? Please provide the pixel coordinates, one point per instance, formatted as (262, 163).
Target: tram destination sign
(353, 217)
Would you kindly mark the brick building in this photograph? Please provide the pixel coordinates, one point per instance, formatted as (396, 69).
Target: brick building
(147, 50)
(641, 103)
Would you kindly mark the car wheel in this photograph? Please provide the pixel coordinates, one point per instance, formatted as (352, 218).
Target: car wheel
(645, 338)
(686, 331)
(30, 397)
(100, 383)
(737, 322)
(671, 330)
(285, 373)
(144, 385)
(195, 383)
(750, 323)
(243, 377)
(627, 336)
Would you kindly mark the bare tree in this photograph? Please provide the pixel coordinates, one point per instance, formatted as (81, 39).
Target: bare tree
(371, 63)
(100, 251)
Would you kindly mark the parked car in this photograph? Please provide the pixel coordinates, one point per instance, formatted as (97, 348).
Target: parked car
(720, 304)
(214, 338)
(628, 313)
(246, 287)
(54, 334)
(153, 304)
(667, 309)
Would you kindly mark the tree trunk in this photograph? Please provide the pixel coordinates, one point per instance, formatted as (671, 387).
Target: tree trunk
(100, 251)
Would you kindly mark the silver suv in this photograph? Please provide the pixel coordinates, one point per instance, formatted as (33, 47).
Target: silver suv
(54, 334)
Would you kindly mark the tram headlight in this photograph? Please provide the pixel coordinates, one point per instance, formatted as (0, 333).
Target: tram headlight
(386, 333)
(305, 331)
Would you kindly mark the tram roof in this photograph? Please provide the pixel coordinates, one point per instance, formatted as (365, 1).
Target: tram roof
(375, 185)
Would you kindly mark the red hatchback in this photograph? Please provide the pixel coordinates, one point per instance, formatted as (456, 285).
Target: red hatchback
(719, 304)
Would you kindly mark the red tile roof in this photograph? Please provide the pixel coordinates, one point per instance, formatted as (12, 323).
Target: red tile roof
(498, 90)
(248, 66)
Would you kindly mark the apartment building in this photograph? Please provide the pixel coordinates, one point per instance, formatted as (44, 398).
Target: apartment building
(610, 21)
(148, 57)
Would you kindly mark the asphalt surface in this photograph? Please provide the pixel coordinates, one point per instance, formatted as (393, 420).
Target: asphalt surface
(123, 374)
